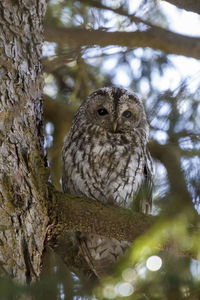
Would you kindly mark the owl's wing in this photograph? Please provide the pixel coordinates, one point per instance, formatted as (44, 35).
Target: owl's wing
(85, 251)
(65, 166)
(147, 190)
(142, 201)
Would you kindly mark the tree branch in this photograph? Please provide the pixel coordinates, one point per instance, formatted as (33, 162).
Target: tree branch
(120, 11)
(60, 115)
(189, 5)
(72, 213)
(170, 156)
(155, 37)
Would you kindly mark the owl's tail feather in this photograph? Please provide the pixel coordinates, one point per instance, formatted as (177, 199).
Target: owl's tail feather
(101, 253)
(86, 253)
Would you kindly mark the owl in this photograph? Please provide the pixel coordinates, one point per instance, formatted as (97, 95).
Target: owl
(105, 158)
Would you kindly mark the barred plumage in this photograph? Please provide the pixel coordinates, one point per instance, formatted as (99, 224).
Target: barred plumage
(105, 159)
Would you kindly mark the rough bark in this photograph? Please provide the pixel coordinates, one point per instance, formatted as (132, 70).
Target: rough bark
(23, 179)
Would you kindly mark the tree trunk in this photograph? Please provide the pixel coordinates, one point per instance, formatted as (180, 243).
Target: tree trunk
(23, 207)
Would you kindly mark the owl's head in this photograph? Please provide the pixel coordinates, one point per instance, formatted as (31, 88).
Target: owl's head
(115, 109)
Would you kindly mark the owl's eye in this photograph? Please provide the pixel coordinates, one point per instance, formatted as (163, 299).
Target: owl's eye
(127, 114)
(102, 112)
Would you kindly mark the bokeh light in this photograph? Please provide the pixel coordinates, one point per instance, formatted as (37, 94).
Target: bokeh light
(129, 275)
(124, 289)
(154, 263)
(141, 270)
(109, 291)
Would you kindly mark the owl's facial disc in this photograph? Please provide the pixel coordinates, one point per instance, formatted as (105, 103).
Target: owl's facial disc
(120, 119)
(114, 110)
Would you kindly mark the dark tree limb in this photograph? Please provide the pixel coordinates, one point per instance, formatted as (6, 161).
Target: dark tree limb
(154, 37)
(170, 156)
(60, 115)
(190, 5)
(120, 11)
(72, 213)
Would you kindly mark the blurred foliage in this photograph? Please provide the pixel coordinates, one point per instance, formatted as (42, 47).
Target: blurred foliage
(172, 104)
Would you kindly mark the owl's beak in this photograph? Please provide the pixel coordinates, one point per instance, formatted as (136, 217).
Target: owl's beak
(115, 126)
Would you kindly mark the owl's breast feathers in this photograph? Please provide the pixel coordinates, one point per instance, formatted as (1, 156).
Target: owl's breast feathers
(103, 166)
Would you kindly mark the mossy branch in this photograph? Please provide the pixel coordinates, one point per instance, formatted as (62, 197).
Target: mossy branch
(72, 213)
